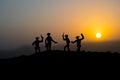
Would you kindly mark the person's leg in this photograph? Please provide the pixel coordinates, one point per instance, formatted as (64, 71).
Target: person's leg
(35, 50)
(65, 47)
(68, 46)
(39, 50)
(78, 48)
(49, 47)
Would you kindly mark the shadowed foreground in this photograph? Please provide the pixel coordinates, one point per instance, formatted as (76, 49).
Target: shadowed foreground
(60, 57)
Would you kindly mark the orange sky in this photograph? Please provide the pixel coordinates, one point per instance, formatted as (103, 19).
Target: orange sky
(22, 20)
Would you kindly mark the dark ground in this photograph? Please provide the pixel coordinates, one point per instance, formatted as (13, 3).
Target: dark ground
(60, 57)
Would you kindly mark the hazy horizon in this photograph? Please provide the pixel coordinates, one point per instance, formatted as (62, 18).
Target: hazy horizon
(111, 47)
(22, 20)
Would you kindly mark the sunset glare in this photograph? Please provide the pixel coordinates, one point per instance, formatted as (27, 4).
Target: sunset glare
(98, 35)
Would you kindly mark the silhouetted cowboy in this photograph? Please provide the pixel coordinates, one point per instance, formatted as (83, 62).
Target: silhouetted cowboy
(65, 38)
(48, 42)
(36, 44)
(78, 41)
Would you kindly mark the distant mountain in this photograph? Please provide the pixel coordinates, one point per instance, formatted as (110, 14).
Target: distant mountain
(24, 50)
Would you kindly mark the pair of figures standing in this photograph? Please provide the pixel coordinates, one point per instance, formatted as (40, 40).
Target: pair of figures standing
(48, 43)
(78, 41)
(49, 40)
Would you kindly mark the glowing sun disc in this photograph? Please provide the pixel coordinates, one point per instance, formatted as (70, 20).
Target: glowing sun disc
(98, 35)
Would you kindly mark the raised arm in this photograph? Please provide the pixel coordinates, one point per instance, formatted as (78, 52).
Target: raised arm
(41, 38)
(45, 41)
(63, 36)
(82, 36)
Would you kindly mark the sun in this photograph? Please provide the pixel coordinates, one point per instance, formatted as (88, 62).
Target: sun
(98, 35)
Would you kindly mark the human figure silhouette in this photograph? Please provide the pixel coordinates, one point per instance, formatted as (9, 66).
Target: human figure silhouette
(78, 41)
(65, 38)
(48, 42)
(36, 44)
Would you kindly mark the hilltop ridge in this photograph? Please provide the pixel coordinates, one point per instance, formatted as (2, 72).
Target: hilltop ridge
(61, 57)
